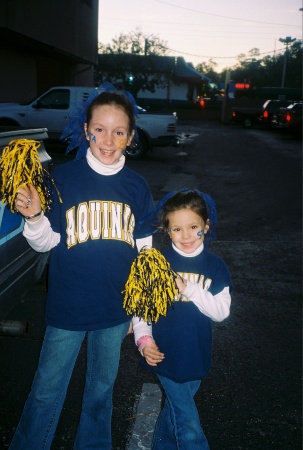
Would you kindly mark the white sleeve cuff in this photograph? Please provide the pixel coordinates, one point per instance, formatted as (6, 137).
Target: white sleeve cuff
(40, 235)
(141, 328)
(144, 241)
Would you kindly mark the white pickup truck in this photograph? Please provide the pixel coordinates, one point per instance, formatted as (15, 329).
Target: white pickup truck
(51, 110)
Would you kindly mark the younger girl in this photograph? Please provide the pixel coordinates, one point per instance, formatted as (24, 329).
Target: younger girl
(93, 237)
(178, 346)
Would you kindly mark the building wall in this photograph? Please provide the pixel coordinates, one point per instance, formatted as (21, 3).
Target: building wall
(12, 83)
(175, 91)
(58, 23)
(51, 42)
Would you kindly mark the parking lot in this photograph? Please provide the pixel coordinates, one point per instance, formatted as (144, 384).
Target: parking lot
(251, 399)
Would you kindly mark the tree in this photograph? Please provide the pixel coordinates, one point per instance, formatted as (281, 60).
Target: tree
(135, 42)
(262, 72)
(209, 69)
(137, 60)
(267, 71)
(294, 65)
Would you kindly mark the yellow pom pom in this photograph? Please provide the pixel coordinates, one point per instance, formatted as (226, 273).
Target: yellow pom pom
(20, 166)
(151, 286)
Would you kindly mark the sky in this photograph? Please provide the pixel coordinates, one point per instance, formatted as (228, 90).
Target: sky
(199, 30)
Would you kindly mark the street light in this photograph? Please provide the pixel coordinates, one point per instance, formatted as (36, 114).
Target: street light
(288, 40)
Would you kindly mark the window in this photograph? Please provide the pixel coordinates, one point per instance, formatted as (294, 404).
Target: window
(56, 99)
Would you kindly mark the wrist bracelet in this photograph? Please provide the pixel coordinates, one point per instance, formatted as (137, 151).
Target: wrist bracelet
(144, 341)
(33, 215)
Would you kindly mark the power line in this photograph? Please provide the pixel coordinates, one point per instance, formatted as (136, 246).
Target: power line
(149, 21)
(224, 17)
(220, 57)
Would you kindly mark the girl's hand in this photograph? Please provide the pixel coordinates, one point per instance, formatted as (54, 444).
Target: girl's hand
(28, 202)
(152, 354)
(181, 284)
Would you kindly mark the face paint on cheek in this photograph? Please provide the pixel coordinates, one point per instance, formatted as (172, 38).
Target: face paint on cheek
(122, 144)
(92, 137)
(200, 234)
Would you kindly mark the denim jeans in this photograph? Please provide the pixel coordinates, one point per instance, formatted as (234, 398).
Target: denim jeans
(58, 355)
(178, 425)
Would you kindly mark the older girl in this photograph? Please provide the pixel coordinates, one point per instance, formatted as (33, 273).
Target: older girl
(93, 237)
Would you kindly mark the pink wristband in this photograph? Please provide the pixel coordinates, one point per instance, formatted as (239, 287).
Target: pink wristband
(144, 341)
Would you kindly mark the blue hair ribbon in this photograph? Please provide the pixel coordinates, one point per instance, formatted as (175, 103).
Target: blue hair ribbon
(149, 222)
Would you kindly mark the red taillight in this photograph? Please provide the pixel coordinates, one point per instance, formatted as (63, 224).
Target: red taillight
(202, 103)
(287, 117)
(265, 114)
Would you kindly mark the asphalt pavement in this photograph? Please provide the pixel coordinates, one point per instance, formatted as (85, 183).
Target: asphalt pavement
(252, 397)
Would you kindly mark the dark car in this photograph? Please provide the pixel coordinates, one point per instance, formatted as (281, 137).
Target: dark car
(293, 118)
(289, 118)
(270, 109)
(20, 265)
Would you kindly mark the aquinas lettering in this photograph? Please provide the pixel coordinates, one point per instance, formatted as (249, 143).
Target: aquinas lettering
(99, 220)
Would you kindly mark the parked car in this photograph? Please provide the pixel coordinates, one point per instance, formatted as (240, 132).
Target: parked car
(289, 118)
(247, 116)
(269, 110)
(154, 130)
(278, 119)
(293, 118)
(20, 265)
(263, 115)
(52, 110)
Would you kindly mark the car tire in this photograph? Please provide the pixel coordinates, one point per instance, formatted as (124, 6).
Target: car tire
(138, 147)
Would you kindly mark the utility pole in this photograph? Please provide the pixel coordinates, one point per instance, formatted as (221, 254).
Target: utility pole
(288, 40)
(146, 46)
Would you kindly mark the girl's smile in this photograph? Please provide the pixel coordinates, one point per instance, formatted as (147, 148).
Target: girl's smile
(186, 229)
(108, 133)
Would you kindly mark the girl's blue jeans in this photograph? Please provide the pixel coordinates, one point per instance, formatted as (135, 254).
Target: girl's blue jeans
(58, 355)
(178, 425)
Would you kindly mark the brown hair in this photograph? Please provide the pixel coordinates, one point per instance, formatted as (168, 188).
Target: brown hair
(182, 200)
(116, 99)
